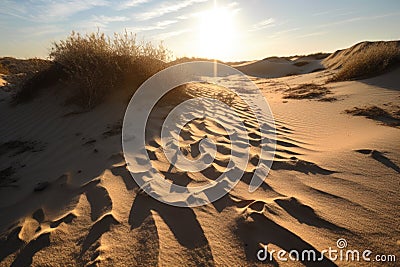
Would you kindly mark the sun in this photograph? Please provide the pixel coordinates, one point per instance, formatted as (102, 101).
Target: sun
(216, 33)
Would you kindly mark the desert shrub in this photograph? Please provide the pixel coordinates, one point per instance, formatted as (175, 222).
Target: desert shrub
(307, 91)
(371, 61)
(32, 85)
(3, 69)
(10, 65)
(17, 72)
(97, 64)
(301, 63)
(379, 114)
(315, 56)
(319, 55)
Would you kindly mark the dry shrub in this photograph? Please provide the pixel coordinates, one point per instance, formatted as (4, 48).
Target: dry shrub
(31, 86)
(379, 114)
(97, 64)
(301, 63)
(4, 70)
(23, 74)
(306, 91)
(14, 66)
(371, 61)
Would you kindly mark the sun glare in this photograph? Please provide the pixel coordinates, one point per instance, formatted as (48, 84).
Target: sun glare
(216, 33)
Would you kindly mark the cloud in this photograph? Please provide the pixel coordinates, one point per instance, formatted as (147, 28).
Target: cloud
(106, 19)
(49, 11)
(312, 34)
(167, 35)
(55, 11)
(360, 18)
(340, 12)
(14, 9)
(183, 17)
(328, 12)
(100, 21)
(263, 24)
(166, 8)
(233, 4)
(41, 30)
(280, 34)
(130, 3)
(158, 26)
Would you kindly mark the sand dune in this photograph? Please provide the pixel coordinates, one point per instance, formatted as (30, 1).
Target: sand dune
(338, 58)
(67, 197)
(278, 67)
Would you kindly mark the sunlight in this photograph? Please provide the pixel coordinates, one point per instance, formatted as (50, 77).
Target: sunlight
(216, 33)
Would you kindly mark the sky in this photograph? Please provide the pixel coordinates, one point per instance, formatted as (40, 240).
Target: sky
(227, 30)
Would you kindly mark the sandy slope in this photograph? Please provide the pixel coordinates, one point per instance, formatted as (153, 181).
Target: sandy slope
(336, 59)
(2, 81)
(278, 67)
(66, 197)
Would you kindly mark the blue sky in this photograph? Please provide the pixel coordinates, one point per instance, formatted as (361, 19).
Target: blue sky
(239, 30)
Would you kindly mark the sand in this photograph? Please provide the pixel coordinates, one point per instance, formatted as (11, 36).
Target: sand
(67, 198)
(2, 81)
(276, 67)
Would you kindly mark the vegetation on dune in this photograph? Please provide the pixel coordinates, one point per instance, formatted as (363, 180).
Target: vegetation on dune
(12, 66)
(301, 63)
(18, 71)
(391, 118)
(315, 56)
(4, 70)
(96, 65)
(319, 55)
(373, 60)
(309, 91)
(30, 86)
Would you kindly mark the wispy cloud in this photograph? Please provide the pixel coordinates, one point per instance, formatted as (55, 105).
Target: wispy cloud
(158, 26)
(49, 11)
(101, 21)
(130, 3)
(59, 10)
(280, 34)
(328, 12)
(14, 9)
(167, 35)
(346, 13)
(311, 34)
(262, 24)
(107, 19)
(166, 8)
(41, 30)
(233, 4)
(360, 18)
(231, 9)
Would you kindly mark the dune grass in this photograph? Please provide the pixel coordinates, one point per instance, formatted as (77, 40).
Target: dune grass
(390, 118)
(375, 59)
(308, 91)
(96, 65)
(4, 70)
(317, 56)
(301, 63)
(12, 66)
(99, 64)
